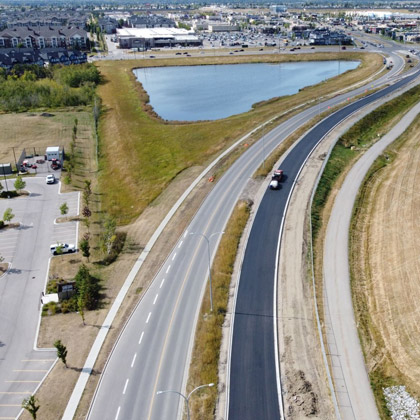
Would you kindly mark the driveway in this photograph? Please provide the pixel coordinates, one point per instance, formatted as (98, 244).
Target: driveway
(26, 248)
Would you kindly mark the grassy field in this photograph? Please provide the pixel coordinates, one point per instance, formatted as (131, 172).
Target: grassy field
(140, 153)
(34, 131)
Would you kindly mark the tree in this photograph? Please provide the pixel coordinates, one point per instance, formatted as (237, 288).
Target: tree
(108, 236)
(19, 184)
(30, 404)
(8, 215)
(81, 305)
(64, 208)
(59, 249)
(87, 192)
(86, 212)
(61, 351)
(85, 247)
(88, 287)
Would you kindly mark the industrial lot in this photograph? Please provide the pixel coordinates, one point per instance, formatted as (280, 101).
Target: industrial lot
(230, 268)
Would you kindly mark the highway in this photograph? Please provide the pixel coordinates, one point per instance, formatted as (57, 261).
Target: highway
(154, 349)
(253, 381)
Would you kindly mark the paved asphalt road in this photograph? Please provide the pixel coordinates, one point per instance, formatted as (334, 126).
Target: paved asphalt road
(253, 385)
(337, 279)
(154, 349)
(27, 248)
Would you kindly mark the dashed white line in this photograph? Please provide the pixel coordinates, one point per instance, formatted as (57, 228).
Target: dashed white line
(180, 244)
(167, 270)
(173, 257)
(134, 359)
(148, 317)
(125, 386)
(161, 284)
(186, 233)
(118, 413)
(155, 298)
(141, 337)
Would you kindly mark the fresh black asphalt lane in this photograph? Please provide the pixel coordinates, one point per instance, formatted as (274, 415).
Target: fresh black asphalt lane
(253, 385)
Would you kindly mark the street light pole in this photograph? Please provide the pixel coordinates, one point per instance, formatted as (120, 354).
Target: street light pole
(186, 398)
(208, 255)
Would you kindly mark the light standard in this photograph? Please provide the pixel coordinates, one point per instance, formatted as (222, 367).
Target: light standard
(186, 398)
(208, 255)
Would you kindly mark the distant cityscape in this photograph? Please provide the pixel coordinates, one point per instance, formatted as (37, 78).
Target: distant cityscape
(46, 33)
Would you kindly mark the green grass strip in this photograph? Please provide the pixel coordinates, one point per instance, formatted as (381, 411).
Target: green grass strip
(353, 143)
(206, 352)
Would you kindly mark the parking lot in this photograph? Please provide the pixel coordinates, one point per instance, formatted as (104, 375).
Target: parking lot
(26, 247)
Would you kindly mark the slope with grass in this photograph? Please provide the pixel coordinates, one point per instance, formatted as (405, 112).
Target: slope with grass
(141, 154)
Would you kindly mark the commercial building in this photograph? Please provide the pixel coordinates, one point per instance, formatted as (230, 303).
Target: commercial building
(146, 38)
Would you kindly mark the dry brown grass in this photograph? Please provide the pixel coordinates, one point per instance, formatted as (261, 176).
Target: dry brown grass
(31, 130)
(385, 239)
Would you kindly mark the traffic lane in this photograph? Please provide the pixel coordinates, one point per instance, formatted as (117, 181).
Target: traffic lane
(141, 338)
(189, 294)
(258, 259)
(256, 160)
(253, 384)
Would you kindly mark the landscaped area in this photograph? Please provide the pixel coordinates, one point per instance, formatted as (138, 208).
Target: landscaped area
(141, 154)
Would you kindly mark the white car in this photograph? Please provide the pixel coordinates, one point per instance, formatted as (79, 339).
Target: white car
(50, 179)
(63, 249)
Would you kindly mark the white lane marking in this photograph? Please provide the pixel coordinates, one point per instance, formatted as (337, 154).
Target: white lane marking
(186, 233)
(134, 359)
(155, 298)
(173, 257)
(148, 317)
(125, 386)
(118, 413)
(141, 337)
(161, 284)
(167, 270)
(180, 244)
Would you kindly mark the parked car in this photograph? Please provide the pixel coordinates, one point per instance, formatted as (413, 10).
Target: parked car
(55, 164)
(56, 249)
(50, 179)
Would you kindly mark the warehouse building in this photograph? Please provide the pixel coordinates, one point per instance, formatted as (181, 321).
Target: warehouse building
(146, 38)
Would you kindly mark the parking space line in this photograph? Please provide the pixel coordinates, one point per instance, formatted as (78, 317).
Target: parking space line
(30, 370)
(15, 392)
(22, 382)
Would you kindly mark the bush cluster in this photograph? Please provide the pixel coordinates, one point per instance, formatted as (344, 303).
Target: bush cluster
(29, 87)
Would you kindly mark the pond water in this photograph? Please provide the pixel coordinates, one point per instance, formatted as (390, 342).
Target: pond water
(191, 93)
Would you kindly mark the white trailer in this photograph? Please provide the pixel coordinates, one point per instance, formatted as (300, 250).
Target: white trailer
(52, 152)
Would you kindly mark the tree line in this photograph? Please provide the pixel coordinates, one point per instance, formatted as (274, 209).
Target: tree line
(26, 87)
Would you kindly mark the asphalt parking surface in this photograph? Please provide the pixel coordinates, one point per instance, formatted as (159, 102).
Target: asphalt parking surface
(26, 248)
